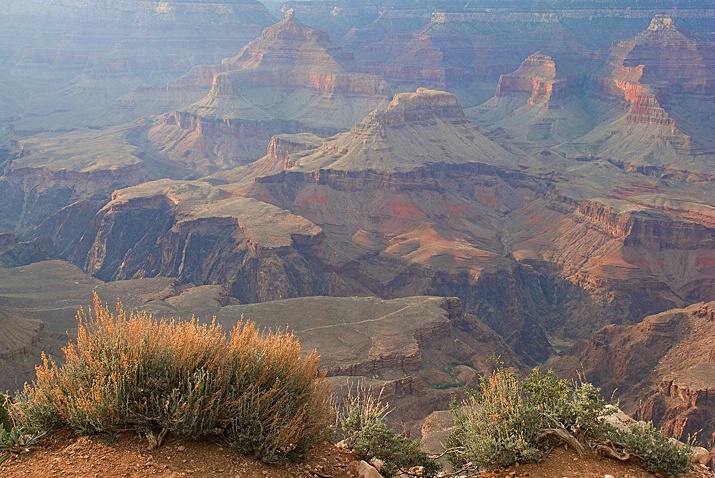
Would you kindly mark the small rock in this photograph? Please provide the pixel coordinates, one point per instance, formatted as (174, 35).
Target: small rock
(181, 448)
(701, 455)
(608, 476)
(364, 470)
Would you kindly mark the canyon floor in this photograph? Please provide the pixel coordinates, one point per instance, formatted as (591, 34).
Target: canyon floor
(63, 454)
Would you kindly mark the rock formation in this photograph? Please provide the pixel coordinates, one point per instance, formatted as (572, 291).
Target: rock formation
(467, 52)
(416, 129)
(77, 67)
(291, 79)
(53, 185)
(200, 235)
(536, 78)
(537, 104)
(579, 196)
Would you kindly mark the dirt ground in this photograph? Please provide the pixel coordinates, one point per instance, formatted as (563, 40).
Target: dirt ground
(64, 455)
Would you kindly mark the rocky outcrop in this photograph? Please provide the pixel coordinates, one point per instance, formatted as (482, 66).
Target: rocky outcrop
(650, 229)
(283, 146)
(51, 174)
(194, 232)
(423, 105)
(657, 63)
(661, 369)
(14, 253)
(536, 78)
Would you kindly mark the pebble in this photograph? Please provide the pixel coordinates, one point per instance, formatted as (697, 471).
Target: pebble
(608, 476)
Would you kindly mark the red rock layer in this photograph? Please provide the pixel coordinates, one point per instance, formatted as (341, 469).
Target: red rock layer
(654, 65)
(661, 368)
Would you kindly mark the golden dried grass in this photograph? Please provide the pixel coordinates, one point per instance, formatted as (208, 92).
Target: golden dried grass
(130, 371)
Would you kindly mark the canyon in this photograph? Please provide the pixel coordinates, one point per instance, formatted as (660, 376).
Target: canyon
(413, 188)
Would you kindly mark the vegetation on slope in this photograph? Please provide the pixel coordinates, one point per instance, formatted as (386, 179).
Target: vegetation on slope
(362, 421)
(135, 372)
(510, 420)
(256, 391)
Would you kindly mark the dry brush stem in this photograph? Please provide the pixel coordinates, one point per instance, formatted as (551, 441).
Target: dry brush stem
(609, 451)
(565, 437)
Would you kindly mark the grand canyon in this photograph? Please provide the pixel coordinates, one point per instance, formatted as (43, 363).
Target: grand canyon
(412, 187)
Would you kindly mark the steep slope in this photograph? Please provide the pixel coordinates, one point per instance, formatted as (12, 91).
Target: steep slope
(661, 369)
(291, 79)
(201, 235)
(73, 175)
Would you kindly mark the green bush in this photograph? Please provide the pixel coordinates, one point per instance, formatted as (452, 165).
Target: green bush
(497, 426)
(5, 422)
(656, 452)
(508, 421)
(362, 422)
(158, 376)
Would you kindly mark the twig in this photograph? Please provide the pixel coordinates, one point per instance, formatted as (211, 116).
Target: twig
(321, 475)
(448, 451)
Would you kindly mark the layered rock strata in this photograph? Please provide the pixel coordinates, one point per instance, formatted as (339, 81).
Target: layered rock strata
(291, 79)
(536, 78)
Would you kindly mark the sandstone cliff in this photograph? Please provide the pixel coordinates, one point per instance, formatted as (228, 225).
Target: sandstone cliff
(538, 104)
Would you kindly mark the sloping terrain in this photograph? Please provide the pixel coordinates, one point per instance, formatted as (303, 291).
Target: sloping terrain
(660, 369)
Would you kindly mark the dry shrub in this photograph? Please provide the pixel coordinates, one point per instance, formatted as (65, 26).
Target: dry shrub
(510, 420)
(134, 372)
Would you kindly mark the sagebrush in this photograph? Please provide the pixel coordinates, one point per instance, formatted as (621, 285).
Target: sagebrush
(654, 451)
(510, 420)
(5, 421)
(361, 420)
(132, 371)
